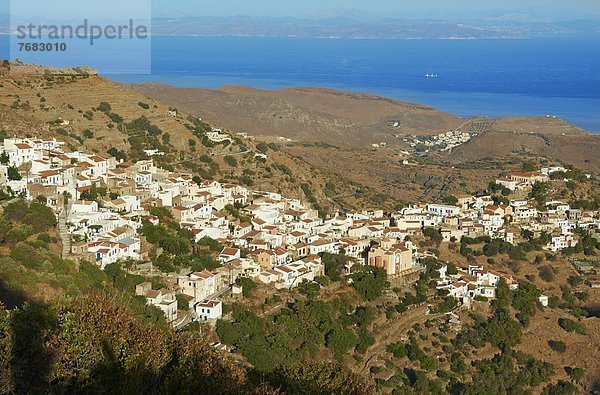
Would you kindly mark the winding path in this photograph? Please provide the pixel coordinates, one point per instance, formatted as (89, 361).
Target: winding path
(391, 331)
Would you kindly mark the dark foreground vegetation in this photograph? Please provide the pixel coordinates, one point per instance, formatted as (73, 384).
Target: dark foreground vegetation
(95, 344)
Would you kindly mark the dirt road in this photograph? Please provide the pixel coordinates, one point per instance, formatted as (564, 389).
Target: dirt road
(386, 331)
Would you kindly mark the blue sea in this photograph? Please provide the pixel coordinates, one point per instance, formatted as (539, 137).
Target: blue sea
(559, 77)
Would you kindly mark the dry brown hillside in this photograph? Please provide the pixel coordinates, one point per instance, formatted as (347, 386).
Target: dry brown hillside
(307, 114)
(356, 120)
(580, 150)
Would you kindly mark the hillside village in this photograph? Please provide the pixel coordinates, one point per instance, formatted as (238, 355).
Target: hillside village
(104, 205)
(442, 142)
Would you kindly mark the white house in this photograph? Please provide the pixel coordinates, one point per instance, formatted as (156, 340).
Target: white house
(442, 210)
(165, 301)
(209, 311)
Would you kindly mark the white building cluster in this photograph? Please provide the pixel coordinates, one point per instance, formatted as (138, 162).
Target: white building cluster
(281, 240)
(442, 142)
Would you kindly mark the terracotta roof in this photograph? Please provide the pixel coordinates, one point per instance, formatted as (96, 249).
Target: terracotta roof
(230, 251)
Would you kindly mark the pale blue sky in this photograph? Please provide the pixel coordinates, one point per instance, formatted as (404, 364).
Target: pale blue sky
(558, 9)
(386, 7)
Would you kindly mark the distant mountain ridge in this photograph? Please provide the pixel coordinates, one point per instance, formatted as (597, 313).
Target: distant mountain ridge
(350, 25)
(353, 24)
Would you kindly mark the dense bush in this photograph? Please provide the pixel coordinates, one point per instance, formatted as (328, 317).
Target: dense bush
(19, 233)
(262, 147)
(397, 349)
(143, 124)
(547, 274)
(248, 286)
(557, 345)
(40, 217)
(230, 160)
(335, 265)
(572, 326)
(370, 282)
(95, 345)
(296, 333)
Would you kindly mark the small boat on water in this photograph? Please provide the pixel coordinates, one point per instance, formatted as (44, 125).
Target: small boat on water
(431, 75)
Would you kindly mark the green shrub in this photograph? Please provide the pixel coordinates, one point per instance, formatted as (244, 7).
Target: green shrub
(397, 349)
(40, 217)
(27, 256)
(262, 147)
(230, 160)
(576, 374)
(19, 233)
(572, 326)
(557, 345)
(105, 107)
(247, 286)
(547, 274)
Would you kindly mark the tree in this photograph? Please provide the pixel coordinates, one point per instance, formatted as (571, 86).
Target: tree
(451, 200)
(40, 217)
(572, 326)
(13, 174)
(547, 273)
(341, 340)
(452, 269)
(90, 194)
(230, 160)
(117, 154)
(248, 286)
(182, 302)
(529, 166)
(447, 305)
(557, 345)
(525, 301)
(433, 234)
(262, 147)
(397, 349)
(334, 265)
(370, 282)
